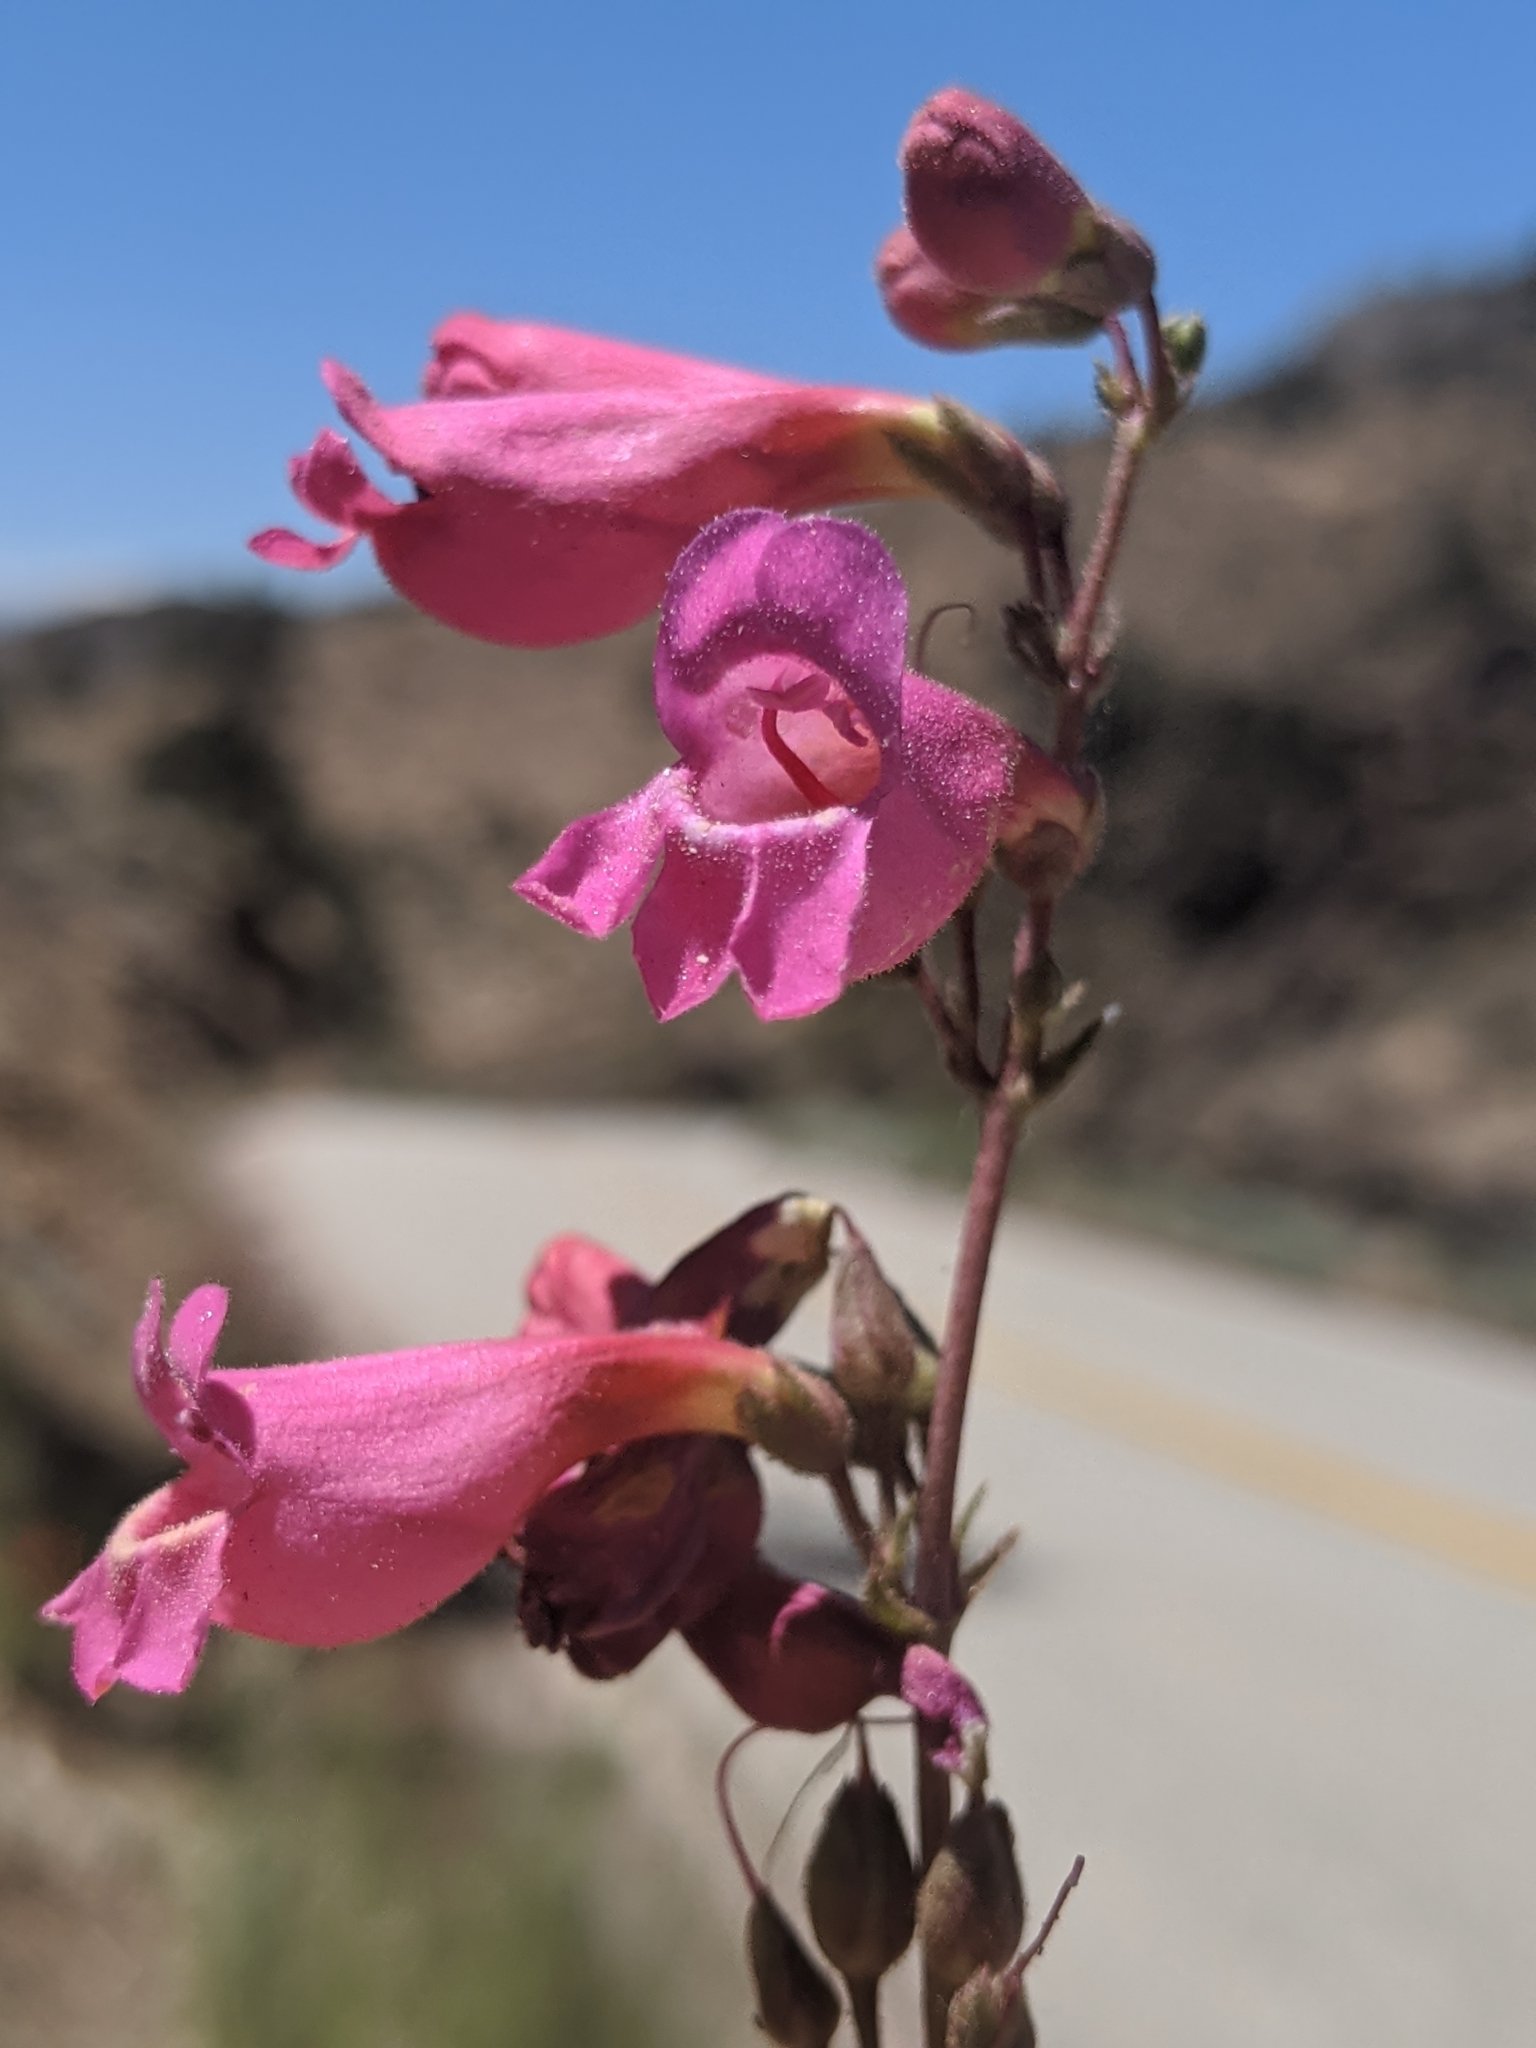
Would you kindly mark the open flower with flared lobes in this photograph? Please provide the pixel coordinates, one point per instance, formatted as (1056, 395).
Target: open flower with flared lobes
(829, 809)
(557, 475)
(332, 1503)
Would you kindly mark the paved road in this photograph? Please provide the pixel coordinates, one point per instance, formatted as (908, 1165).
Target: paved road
(1268, 1652)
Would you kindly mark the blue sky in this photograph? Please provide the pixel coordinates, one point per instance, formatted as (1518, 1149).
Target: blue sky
(202, 199)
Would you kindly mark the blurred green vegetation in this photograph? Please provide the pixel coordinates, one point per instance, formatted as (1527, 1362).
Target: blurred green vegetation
(376, 1884)
(326, 1854)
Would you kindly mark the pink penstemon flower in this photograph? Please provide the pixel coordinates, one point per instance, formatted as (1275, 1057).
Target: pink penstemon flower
(334, 1502)
(829, 808)
(557, 475)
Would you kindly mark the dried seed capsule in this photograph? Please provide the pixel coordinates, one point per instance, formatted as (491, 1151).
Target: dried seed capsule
(796, 2004)
(875, 1337)
(970, 1909)
(859, 1883)
(989, 2011)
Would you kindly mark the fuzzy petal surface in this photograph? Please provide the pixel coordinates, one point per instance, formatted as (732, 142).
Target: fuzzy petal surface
(829, 810)
(824, 591)
(579, 1285)
(474, 356)
(141, 1611)
(558, 476)
(792, 945)
(931, 832)
(684, 928)
(333, 1502)
(594, 876)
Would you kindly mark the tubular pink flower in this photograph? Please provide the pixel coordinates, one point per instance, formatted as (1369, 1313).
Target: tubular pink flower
(829, 809)
(558, 475)
(331, 1503)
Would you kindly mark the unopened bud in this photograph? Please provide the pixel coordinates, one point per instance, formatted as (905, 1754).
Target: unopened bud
(798, 1418)
(1184, 338)
(796, 2004)
(970, 1910)
(989, 2011)
(929, 307)
(1051, 825)
(859, 1884)
(876, 1338)
(1111, 390)
(924, 303)
(987, 202)
(759, 1268)
(981, 468)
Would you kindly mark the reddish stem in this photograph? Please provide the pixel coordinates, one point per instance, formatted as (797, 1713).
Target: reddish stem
(1163, 385)
(968, 1002)
(1130, 445)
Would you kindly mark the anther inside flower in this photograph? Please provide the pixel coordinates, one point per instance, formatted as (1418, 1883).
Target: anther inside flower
(829, 809)
(794, 741)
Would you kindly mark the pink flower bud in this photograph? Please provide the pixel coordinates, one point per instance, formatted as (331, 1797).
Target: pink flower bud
(925, 304)
(1051, 827)
(929, 308)
(986, 200)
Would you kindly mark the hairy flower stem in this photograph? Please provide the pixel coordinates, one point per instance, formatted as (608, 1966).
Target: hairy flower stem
(937, 1581)
(937, 1587)
(1156, 399)
(1133, 437)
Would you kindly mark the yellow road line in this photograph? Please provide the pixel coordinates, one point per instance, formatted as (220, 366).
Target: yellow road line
(1486, 1542)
